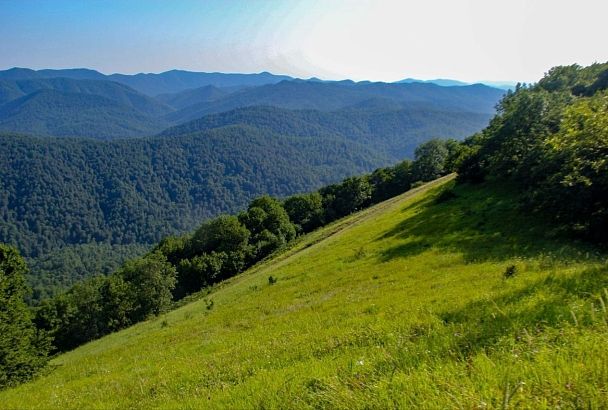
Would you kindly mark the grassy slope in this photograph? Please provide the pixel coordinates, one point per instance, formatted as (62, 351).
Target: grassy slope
(401, 305)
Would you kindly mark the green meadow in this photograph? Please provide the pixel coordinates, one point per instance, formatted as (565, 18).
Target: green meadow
(443, 297)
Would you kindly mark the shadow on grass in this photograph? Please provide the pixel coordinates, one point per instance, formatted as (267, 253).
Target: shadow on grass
(527, 312)
(528, 317)
(483, 222)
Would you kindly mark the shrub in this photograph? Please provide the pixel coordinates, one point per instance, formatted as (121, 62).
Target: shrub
(510, 271)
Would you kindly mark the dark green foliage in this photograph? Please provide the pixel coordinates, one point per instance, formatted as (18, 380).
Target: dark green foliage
(269, 225)
(76, 317)
(352, 194)
(100, 305)
(382, 181)
(305, 211)
(57, 270)
(430, 160)
(23, 350)
(393, 132)
(551, 139)
(225, 233)
(272, 280)
(151, 280)
(76, 191)
(175, 248)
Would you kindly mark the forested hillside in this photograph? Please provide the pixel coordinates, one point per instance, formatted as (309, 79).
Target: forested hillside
(330, 96)
(64, 107)
(391, 129)
(58, 192)
(60, 114)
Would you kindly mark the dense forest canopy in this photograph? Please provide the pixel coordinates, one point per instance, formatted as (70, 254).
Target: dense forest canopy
(393, 131)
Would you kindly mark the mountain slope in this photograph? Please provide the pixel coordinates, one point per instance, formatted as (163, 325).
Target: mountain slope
(61, 114)
(119, 93)
(330, 96)
(389, 128)
(66, 107)
(193, 96)
(152, 84)
(402, 305)
(178, 80)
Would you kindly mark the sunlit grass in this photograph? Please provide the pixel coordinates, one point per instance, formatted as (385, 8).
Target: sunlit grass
(403, 305)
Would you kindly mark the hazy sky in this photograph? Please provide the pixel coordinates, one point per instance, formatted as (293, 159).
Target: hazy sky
(333, 39)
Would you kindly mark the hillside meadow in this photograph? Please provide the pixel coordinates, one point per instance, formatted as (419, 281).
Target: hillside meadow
(443, 297)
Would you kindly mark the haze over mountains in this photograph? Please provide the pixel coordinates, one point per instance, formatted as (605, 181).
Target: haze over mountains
(179, 80)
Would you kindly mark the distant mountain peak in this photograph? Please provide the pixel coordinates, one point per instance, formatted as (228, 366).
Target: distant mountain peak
(446, 82)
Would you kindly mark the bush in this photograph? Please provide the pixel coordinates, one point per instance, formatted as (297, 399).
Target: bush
(510, 271)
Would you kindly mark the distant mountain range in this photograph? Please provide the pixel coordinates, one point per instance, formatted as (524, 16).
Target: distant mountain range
(329, 96)
(86, 103)
(174, 81)
(504, 85)
(152, 84)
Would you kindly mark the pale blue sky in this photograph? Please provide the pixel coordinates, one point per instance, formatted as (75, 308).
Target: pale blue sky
(384, 40)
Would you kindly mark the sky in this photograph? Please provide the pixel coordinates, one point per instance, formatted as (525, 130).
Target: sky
(378, 40)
